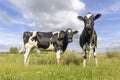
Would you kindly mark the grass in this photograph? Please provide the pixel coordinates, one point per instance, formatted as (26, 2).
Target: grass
(44, 67)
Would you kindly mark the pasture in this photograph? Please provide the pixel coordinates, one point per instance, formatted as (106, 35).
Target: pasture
(44, 67)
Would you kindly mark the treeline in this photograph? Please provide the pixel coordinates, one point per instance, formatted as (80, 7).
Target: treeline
(15, 50)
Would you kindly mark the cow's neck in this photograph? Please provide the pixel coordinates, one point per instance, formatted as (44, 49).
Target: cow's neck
(90, 37)
(65, 43)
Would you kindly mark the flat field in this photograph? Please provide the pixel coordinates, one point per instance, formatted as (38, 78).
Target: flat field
(44, 67)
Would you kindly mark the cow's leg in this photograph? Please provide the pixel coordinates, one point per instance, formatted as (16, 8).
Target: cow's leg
(95, 58)
(28, 47)
(85, 57)
(26, 56)
(58, 56)
(89, 53)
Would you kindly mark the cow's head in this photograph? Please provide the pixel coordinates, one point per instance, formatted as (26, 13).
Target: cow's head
(67, 35)
(89, 20)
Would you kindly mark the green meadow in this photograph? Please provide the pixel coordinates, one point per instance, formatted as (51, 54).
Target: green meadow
(44, 67)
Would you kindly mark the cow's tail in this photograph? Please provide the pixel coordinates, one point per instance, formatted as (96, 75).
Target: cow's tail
(22, 48)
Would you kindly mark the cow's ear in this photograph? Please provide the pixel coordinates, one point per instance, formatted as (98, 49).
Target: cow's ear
(97, 16)
(61, 35)
(75, 32)
(80, 18)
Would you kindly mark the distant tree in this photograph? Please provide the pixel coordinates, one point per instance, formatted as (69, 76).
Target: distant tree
(13, 50)
(35, 50)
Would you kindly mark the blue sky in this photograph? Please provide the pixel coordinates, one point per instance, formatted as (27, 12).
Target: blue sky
(17, 16)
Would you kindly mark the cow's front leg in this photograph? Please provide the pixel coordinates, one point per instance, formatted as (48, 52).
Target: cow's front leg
(26, 56)
(28, 47)
(85, 57)
(89, 53)
(95, 58)
(58, 56)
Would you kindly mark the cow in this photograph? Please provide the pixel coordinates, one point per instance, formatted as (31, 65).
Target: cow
(57, 41)
(88, 37)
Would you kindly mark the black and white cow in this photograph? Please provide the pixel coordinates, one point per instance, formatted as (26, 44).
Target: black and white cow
(57, 41)
(88, 38)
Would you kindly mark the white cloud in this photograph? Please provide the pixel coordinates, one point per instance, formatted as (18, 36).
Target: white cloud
(115, 7)
(18, 22)
(10, 35)
(14, 36)
(5, 18)
(9, 40)
(1, 28)
(5, 45)
(77, 5)
(43, 15)
(99, 39)
(51, 14)
(116, 43)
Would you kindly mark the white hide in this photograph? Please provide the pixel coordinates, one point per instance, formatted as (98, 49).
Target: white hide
(88, 15)
(56, 32)
(69, 31)
(28, 47)
(51, 47)
(58, 56)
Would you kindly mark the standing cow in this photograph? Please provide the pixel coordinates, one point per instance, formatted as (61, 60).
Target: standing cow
(88, 38)
(57, 41)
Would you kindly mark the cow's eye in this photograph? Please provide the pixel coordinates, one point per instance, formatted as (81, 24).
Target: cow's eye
(68, 33)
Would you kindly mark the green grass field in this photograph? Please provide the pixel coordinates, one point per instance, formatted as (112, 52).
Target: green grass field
(44, 67)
